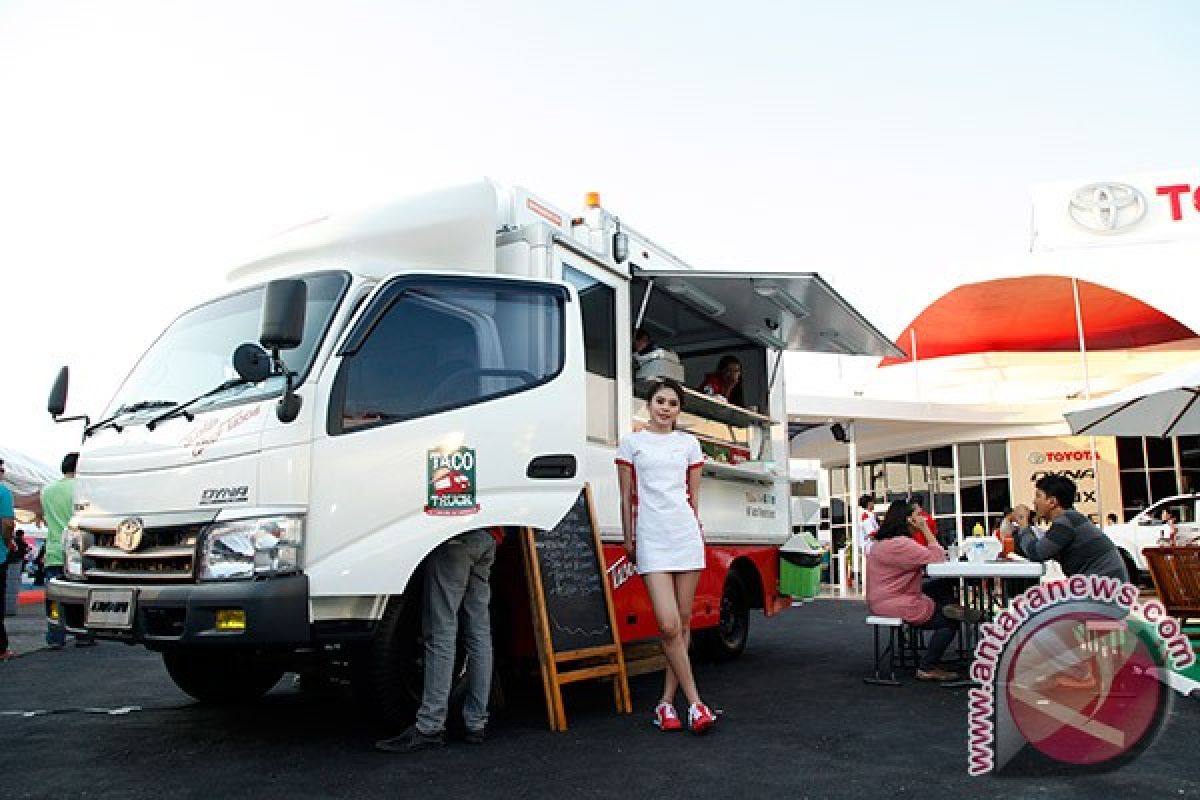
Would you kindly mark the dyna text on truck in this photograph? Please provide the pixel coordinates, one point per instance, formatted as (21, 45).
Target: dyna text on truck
(262, 491)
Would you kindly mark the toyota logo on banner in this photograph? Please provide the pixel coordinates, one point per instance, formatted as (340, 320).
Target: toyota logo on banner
(1037, 458)
(1107, 208)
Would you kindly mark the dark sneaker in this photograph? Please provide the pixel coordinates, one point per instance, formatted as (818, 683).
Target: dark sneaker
(962, 614)
(411, 741)
(475, 735)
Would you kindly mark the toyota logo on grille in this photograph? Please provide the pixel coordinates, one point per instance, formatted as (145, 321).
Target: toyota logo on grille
(1107, 207)
(129, 534)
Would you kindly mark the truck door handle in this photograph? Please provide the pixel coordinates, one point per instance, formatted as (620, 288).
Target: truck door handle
(552, 466)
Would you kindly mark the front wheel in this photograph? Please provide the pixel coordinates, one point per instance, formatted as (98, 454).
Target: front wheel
(221, 677)
(727, 641)
(389, 675)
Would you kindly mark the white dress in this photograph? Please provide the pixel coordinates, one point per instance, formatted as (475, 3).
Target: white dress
(666, 530)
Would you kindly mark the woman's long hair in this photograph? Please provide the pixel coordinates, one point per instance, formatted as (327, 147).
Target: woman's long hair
(895, 522)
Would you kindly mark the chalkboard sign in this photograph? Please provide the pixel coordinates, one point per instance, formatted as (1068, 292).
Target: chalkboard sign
(573, 581)
(574, 623)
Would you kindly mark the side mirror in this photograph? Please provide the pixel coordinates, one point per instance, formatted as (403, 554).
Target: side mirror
(56, 403)
(252, 363)
(283, 314)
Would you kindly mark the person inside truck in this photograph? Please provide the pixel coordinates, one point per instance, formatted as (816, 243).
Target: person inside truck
(659, 481)
(726, 382)
(642, 343)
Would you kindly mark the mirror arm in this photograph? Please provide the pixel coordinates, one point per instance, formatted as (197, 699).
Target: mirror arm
(288, 407)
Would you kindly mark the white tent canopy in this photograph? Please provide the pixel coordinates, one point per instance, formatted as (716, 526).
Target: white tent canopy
(1165, 405)
(26, 476)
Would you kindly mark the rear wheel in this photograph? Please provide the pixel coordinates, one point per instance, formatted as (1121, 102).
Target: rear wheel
(221, 677)
(727, 641)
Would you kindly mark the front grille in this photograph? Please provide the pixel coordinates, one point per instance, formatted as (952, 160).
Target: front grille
(166, 554)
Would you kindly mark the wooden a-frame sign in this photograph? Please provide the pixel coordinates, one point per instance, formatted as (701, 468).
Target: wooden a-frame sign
(574, 623)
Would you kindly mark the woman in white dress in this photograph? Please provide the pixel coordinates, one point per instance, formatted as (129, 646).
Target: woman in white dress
(658, 470)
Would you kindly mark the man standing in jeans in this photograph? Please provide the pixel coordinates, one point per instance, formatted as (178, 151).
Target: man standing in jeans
(457, 576)
(58, 504)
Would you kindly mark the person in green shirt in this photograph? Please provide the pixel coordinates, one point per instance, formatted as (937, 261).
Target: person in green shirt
(58, 504)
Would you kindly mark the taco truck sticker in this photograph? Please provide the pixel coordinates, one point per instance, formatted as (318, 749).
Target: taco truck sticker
(451, 482)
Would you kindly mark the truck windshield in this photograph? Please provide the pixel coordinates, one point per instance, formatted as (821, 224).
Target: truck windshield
(195, 353)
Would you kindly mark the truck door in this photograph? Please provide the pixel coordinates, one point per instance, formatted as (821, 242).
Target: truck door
(453, 404)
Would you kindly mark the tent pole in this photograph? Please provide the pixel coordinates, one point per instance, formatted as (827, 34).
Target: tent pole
(1087, 395)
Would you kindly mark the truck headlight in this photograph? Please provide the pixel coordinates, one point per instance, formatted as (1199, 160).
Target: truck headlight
(73, 547)
(249, 548)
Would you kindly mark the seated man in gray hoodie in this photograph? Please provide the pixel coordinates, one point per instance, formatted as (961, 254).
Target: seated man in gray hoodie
(1073, 540)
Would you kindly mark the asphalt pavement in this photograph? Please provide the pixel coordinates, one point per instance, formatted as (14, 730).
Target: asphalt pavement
(797, 722)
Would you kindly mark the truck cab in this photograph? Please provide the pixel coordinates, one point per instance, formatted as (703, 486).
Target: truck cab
(264, 488)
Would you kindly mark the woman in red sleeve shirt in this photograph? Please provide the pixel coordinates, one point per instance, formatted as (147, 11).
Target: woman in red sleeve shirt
(726, 381)
(896, 567)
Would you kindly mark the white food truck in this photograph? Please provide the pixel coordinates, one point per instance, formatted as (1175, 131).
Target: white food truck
(261, 492)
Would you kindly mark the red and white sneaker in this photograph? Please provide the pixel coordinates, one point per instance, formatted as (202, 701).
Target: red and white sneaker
(666, 719)
(700, 719)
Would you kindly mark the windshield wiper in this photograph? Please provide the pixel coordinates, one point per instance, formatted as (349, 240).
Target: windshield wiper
(141, 405)
(181, 409)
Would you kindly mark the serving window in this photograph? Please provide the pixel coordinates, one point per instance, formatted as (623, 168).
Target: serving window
(688, 345)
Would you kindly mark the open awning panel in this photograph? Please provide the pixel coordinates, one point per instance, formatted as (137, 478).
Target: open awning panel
(785, 311)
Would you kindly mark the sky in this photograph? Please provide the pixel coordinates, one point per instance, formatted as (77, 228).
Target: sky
(890, 147)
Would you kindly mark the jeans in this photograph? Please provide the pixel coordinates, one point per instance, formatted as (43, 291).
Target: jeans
(941, 590)
(12, 589)
(456, 579)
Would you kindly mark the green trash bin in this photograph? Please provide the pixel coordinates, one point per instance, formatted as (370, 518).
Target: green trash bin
(800, 567)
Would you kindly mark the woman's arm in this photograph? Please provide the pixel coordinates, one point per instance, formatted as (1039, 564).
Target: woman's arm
(625, 487)
(931, 540)
(693, 488)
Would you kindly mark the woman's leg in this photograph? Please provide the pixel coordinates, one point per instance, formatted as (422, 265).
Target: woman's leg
(685, 594)
(661, 588)
(943, 634)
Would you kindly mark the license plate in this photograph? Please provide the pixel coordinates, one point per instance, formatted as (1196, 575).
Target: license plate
(109, 608)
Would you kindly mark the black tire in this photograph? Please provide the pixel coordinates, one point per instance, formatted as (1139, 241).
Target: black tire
(221, 677)
(387, 674)
(727, 641)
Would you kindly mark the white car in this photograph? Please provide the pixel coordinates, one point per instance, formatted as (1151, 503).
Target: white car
(1148, 528)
